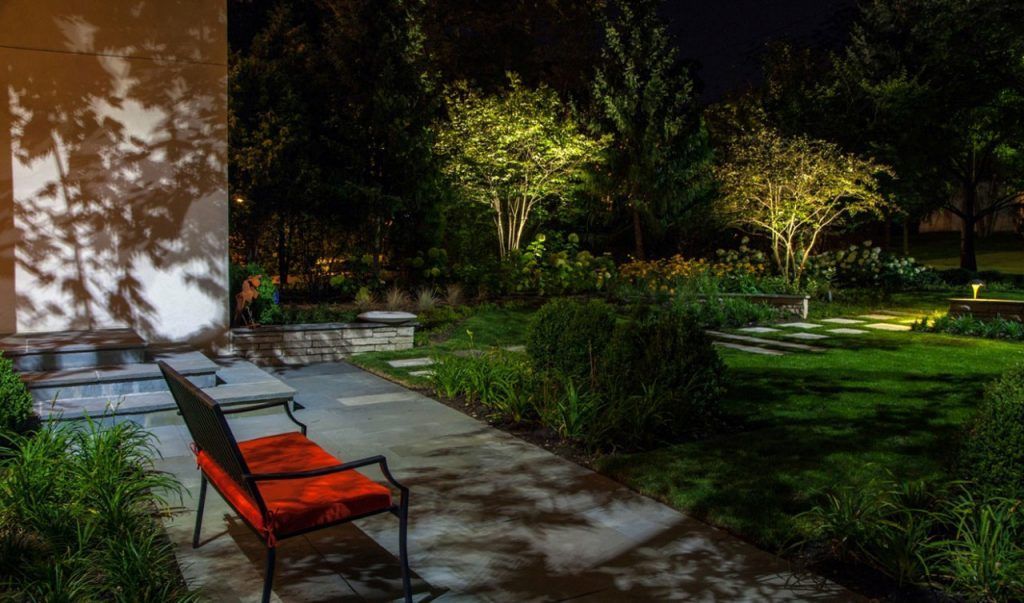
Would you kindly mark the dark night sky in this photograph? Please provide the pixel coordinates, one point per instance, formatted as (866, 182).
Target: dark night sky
(726, 37)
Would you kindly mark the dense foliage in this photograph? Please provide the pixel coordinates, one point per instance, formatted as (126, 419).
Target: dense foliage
(966, 324)
(992, 455)
(79, 517)
(511, 152)
(15, 400)
(659, 160)
(569, 338)
(792, 190)
(599, 381)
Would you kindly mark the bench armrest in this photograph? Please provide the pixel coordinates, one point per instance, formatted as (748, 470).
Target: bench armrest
(262, 405)
(371, 460)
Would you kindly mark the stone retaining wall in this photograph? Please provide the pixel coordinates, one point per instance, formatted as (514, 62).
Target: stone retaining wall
(308, 343)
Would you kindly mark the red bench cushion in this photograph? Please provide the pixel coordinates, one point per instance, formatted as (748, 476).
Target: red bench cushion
(295, 504)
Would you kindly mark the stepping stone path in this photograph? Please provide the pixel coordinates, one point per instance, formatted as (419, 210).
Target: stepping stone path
(425, 373)
(800, 325)
(768, 343)
(514, 348)
(842, 321)
(877, 317)
(748, 348)
(886, 326)
(845, 331)
(759, 330)
(410, 362)
(805, 336)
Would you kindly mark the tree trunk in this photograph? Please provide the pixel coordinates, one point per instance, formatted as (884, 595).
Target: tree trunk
(282, 255)
(638, 234)
(968, 256)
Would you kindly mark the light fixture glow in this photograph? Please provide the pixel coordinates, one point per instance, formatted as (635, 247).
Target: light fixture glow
(975, 286)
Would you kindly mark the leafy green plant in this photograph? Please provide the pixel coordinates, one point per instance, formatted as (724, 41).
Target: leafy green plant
(992, 453)
(499, 380)
(79, 503)
(15, 400)
(994, 328)
(662, 359)
(569, 337)
(572, 412)
(364, 299)
(983, 558)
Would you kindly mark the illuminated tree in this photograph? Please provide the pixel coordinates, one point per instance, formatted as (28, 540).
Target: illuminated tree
(513, 151)
(793, 190)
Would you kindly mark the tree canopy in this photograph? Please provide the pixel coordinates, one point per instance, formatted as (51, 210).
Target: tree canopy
(512, 151)
(792, 190)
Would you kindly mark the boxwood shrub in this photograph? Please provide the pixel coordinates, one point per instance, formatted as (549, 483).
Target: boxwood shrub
(661, 377)
(568, 337)
(624, 383)
(992, 453)
(15, 401)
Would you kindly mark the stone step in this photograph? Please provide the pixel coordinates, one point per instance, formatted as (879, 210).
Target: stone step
(748, 348)
(766, 343)
(118, 380)
(36, 352)
(76, 408)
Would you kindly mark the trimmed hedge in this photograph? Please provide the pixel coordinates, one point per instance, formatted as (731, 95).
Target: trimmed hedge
(569, 337)
(992, 454)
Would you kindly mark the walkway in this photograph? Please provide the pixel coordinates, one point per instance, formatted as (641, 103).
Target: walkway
(493, 518)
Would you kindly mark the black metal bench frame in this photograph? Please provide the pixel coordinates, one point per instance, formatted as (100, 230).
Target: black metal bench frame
(207, 423)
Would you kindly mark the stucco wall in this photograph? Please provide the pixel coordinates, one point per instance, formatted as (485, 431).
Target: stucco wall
(113, 167)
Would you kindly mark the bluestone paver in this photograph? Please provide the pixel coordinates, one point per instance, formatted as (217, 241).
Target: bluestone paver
(493, 518)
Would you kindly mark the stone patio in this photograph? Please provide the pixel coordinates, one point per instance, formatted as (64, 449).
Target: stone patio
(493, 518)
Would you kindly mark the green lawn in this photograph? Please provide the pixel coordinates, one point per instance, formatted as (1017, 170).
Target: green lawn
(1000, 251)
(803, 422)
(798, 423)
(490, 326)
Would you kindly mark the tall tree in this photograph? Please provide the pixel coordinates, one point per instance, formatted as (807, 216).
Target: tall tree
(659, 158)
(332, 106)
(513, 151)
(936, 89)
(793, 190)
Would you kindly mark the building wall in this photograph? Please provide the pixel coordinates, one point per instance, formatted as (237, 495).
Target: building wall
(113, 167)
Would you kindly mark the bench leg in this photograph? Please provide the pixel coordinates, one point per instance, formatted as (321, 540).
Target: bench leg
(403, 548)
(199, 512)
(268, 579)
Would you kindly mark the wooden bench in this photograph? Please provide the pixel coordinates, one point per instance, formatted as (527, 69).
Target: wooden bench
(281, 485)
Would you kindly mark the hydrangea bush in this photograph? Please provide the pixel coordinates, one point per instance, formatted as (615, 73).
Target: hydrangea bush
(868, 266)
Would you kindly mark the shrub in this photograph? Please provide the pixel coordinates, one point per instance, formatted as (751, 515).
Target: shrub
(79, 504)
(364, 299)
(661, 377)
(551, 265)
(15, 401)
(396, 299)
(994, 328)
(870, 267)
(568, 337)
(992, 453)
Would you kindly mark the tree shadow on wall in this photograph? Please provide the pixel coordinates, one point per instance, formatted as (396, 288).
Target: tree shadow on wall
(118, 178)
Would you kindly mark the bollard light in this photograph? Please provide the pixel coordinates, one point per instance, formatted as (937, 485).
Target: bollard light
(975, 286)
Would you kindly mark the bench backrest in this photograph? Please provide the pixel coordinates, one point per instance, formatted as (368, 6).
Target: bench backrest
(210, 431)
